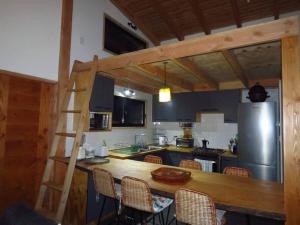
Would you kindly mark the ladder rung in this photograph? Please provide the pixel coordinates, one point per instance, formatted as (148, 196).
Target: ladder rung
(66, 134)
(46, 213)
(54, 186)
(59, 159)
(71, 111)
(77, 90)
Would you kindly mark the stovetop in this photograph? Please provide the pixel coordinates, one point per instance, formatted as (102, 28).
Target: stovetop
(199, 151)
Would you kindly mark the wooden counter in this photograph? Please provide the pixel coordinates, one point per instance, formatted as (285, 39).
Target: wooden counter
(237, 194)
(169, 148)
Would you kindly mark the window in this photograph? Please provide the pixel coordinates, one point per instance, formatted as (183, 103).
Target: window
(128, 112)
(118, 40)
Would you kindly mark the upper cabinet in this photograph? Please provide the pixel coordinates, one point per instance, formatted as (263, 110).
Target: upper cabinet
(184, 106)
(102, 98)
(163, 111)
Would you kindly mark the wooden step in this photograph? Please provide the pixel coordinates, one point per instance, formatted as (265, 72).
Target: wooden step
(77, 90)
(71, 111)
(46, 213)
(59, 159)
(66, 134)
(54, 186)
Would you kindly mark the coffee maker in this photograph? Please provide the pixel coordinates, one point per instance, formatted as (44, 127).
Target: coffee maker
(187, 141)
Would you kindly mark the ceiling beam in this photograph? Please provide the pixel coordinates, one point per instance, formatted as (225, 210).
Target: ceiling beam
(133, 77)
(163, 13)
(121, 5)
(193, 69)
(199, 15)
(159, 74)
(276, 9)
(236, 13)
(138, 87)
(256, 34)
(236, 67)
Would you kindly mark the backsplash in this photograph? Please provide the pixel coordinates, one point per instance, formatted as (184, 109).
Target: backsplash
(211, 127)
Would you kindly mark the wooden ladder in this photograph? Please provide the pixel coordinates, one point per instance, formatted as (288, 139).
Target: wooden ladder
(77, 135)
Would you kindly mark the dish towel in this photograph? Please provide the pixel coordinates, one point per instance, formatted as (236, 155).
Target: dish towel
(207, 165)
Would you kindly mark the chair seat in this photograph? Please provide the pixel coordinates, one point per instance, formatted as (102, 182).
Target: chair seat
(160, 203)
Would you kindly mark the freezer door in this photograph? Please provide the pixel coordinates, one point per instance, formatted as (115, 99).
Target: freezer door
(257, 133)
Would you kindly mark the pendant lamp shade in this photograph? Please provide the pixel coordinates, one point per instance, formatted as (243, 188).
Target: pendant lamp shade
(165, 93)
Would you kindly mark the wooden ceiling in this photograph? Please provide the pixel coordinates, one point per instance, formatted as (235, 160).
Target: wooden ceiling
(227, 69)
(161, 20)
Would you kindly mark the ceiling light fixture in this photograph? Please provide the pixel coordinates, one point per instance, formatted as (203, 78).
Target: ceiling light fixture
(128, 92)
(165, 93)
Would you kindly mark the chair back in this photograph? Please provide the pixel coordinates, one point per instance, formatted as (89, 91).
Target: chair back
(104, 182)
(136, 194)
(153, 159)
(190, 164)
(194, 208)
(237, 171)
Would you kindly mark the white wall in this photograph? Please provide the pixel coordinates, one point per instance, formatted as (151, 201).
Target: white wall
(30, 37)
(87, 30)
(87, 40)
(211, 127)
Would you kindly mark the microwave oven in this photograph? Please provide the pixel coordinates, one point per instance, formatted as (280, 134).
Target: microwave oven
(100, 121)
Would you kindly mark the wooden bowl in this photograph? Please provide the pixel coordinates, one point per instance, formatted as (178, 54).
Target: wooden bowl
(170, 175)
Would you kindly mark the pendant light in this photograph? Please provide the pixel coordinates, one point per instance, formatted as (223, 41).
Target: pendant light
(165, 92)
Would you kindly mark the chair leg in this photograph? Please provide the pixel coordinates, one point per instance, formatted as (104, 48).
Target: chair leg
(153, 219)
(162, 218)
(168, 213)
(101, 210)
(117, 211)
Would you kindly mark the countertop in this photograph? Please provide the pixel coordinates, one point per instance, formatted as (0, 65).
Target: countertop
(172, 148)
(231, 193)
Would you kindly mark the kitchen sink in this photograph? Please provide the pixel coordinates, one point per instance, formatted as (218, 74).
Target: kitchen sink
(134, 150)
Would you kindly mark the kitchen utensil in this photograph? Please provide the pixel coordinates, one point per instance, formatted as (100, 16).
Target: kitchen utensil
(205, 143)
(171, 175)
(162, 140)
(257, 93)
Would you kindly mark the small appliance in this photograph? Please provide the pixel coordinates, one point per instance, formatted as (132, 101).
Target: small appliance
(162, 140)
(185, 142)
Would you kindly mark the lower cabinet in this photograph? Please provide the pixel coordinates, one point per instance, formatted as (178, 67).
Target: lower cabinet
(227, 162)
(168, 157)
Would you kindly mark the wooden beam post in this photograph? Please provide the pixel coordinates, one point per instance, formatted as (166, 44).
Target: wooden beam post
(4, 91)
(291, 127)
(236, 67)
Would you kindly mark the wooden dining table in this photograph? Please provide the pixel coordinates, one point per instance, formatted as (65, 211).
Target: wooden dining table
(231, 193)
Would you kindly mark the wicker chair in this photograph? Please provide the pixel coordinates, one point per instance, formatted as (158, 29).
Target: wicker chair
(104, 185)
(196, 208)
(190, 164)
(136, 195)
(237, 171)
(153, 159)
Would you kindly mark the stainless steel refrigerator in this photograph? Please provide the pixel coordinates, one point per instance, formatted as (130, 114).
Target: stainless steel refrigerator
(258, 146)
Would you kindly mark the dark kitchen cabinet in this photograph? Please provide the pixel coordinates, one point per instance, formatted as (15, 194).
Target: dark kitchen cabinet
(228, 162)
(226, 102)
(174, 158)
(163, 111)
(102, 97)
(185, 107)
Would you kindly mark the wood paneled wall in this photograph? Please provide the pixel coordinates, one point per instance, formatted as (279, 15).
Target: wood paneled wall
(27, 117)
(291, 127)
